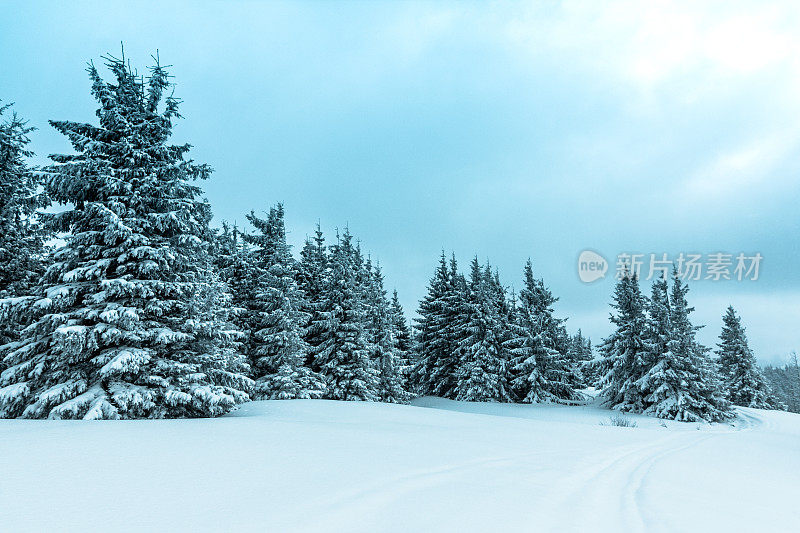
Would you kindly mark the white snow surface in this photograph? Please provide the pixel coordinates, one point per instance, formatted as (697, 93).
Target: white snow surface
(436, 465)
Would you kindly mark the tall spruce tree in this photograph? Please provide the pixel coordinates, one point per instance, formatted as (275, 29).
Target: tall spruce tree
(342, 355)
(279, 351)
(624, 354)
(399, 319)
(582, 356)
(482, 371)
(456, 314)
(577, 356)
(384, 341)
(437, 352)
(233, 260)
(664, 380)
(563, 375)
(313, 273)
(403, 335)
(542, 369)
(742, 380)
(700, 393)
(130, 320)
(527, 346)
(21, 249)
(588, 368)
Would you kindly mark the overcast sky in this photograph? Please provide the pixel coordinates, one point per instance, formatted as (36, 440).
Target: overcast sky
(498, 130)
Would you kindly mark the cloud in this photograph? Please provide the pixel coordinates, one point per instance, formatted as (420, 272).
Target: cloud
(652, 44)
(710, 90)
(743, 168)
(413, 33)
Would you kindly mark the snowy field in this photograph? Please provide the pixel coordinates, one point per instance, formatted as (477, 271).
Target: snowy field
(437, 465)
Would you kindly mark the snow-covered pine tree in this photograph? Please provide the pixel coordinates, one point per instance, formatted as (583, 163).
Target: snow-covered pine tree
(313, 273)
(587, 367)
(363, 274)
(576, 347)
(400, 323)
(384, 341)
(481, 373)
(343, 351)
(563, 375)
(234, 264)
(504, 311)
(131, 320)
(436, 358)
(403, 335)
(580, 355)
(540, 371)
(278, 349)
(525, 345)
(21, 237)
(623, 353)
(229, 254)
(671, 376)
(456, 316)
(576, 353)
(664, 380)
(588, 352)
(370, 296)
(699, 394)
(743, 381)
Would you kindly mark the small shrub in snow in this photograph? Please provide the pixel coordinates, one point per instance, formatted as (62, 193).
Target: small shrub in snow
(621, 421)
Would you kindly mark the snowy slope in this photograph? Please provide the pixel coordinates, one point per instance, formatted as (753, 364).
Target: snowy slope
(312, 465)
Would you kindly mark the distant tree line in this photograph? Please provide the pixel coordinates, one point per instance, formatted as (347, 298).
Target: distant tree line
(143, 310)
(785, 383)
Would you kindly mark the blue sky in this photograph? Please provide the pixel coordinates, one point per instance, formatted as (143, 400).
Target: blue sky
(502, 130)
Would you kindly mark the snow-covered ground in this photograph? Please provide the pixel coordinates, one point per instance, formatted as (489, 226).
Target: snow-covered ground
(437, 465)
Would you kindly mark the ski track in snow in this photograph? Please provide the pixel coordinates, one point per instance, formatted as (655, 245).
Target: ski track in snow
(625, 474)
(380, 495)
(583, 496)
